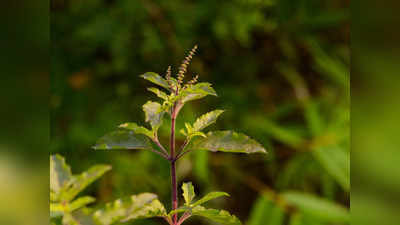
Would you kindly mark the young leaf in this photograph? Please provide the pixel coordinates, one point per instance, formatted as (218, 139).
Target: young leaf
(196, 91)
(138, 206)
(318, 208)
(156, 79)
(137, 129)
(80, 202)
(60, 174)
(208, 197)
(219, 216)
(123, 139)
(227, 141)
(159, 93)
(188, 192)
(206, 120)
(154, 114)
(83, 180)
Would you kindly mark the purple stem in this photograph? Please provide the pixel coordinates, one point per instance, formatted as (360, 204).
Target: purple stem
(185, 216)
(173, 166)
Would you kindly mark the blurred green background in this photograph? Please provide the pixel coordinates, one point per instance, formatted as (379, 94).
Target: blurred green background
(280, 68)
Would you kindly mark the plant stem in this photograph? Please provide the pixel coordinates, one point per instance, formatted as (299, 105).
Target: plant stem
(174, 195)
(182, 154)
(160, 146)
(183, 218)
(174, 191)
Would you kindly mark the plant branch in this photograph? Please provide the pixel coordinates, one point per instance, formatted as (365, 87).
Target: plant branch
(160, 153)
(160, 145)
(185, 216)
(182, 154)
(183, 146)
(168, 219)
(174, 193)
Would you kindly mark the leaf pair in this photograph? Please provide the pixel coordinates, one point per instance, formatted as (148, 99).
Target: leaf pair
(186, 94)
(195, 208)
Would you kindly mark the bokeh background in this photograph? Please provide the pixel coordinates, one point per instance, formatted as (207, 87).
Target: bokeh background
(280, 68)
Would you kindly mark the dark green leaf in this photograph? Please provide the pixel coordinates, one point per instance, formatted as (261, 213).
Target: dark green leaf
(318, 208)
(123, 139)
(227, 141)
(156, 79)
(219, 216)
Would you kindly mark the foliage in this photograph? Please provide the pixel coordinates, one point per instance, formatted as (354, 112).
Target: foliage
(281, 69)
(132, 136)
(64, 187)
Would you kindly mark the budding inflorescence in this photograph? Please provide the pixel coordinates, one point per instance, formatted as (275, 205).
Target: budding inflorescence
(185, 64)
(191, 82)
(181, 72)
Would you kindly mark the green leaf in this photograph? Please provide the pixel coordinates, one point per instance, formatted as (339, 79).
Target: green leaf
(80, 182)
(197, 91)
(154, 209)
(137, 129)
(156, 79)
(206, 120)
(227, 141)
(60, 174)
(188, 192)
(159, 93)
(219, 216)
(80, 202)
(208, 197)
(154, 114)
(144, 205)
(318, 208)
(336, 162)
(123, 139)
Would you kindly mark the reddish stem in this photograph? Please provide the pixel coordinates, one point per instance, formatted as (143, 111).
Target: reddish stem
(173, 167)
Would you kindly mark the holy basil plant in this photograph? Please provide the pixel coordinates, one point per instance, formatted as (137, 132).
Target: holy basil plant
(174, 94)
